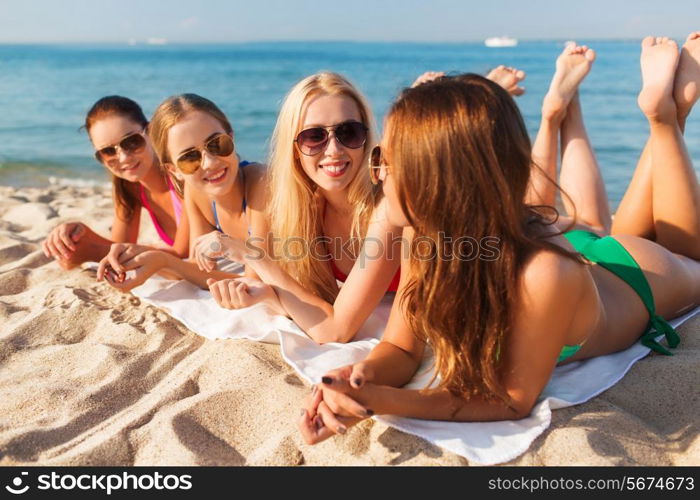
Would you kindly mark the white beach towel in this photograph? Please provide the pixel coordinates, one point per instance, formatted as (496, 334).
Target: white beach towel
(485, 442)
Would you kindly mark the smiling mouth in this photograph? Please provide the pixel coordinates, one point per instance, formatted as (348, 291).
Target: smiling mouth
(130, 169)
(335, 169)
(217, 177)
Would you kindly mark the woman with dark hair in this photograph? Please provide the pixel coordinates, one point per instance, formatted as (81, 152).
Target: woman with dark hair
(498, 327)
(116, 126)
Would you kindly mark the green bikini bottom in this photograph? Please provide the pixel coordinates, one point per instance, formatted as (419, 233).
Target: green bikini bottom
(607, 252)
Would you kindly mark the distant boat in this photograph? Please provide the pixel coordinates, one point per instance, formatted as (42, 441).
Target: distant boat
(501, 41)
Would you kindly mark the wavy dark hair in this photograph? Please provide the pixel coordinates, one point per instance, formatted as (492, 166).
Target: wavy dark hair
(461, 160)
(125, 192)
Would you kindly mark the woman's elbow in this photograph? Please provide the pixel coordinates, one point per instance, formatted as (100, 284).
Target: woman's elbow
(518, 410)
(331, 335)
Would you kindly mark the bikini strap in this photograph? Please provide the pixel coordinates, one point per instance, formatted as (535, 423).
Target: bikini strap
(161, 232)
(175, 199)
(216, 217)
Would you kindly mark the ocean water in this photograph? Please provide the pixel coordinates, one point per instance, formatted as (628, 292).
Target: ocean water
(46, 90)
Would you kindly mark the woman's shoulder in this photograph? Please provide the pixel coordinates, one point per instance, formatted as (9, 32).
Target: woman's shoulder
(255, 180)
(379, 217)
(553, 277)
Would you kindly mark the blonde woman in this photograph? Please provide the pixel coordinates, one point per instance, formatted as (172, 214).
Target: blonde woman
(328, 221)
(194, 140)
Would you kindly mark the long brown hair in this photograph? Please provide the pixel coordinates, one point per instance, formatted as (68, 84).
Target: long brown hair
(461, 159)
(125, 193)
(169, 113)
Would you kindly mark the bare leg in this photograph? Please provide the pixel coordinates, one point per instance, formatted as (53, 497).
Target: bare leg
(580, 176)
(676, 193)
(634, 215)
(572, 66)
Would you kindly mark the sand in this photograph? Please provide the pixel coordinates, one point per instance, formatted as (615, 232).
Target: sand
(91, 376)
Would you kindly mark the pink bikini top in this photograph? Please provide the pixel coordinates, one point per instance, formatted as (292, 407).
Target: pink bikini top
(177, 207)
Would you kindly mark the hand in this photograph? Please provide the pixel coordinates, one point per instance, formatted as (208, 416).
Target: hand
(317, 422)
(211, 246)
(237, 293)
(428, 76)
(334, 405)
(60, 243)
(117, 255)
(143, 265)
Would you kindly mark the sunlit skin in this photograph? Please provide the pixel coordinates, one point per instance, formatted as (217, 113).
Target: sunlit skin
(217, 176)
(109, 131)
(217, 179)
(560, 301)
(328, 111)
(73, 243)
(366, 284)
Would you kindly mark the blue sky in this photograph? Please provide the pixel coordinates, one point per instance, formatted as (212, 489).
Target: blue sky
(27, 21)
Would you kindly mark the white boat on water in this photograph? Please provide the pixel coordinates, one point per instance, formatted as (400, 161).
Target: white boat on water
(501, 41)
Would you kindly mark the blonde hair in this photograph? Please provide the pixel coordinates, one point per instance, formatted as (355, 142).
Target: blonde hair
(169, 113)
(293, 212)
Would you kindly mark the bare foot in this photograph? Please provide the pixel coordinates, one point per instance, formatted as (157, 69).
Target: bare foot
(573, 65)
(658, 61)
(508, 78)
(686, 88)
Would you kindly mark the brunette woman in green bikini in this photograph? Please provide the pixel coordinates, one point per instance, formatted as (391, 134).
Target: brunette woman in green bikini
(498, 327)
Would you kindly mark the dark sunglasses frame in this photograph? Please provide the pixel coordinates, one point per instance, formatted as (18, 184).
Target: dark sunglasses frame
(375, 163)
(189, 167)
(358, 128)
(105, 157)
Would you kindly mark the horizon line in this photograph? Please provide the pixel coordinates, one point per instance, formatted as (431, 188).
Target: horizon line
(164, 42)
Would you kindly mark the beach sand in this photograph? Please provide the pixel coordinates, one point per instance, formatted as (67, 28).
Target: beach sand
(90, 376)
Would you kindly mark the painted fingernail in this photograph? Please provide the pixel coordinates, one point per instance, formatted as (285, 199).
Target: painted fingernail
(327, 380)
(369, 412)
(342, 429)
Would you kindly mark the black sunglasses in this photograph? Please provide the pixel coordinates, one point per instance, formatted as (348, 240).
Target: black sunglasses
(350, 134)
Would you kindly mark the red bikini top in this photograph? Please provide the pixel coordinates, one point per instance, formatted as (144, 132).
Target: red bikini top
(341, 276)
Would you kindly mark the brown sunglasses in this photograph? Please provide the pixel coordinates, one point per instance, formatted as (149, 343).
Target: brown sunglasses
(190, 161)
(376, 164)
(132, 143)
